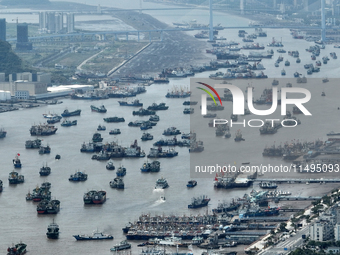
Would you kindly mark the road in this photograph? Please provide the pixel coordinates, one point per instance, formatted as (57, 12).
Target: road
(288, 245)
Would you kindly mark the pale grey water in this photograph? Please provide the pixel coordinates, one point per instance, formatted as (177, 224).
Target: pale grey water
(20, 220)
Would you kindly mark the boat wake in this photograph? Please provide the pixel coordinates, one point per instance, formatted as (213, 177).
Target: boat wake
(159, 201)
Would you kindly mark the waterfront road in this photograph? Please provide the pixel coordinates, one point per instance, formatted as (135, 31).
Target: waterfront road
(288, 245)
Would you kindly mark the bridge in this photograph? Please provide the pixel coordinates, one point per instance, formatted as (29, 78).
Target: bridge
(103, 34)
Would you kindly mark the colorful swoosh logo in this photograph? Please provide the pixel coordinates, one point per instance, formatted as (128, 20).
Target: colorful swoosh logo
(209, 93)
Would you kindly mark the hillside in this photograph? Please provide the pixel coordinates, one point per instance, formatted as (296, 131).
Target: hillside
(26, 2)
(9, 61)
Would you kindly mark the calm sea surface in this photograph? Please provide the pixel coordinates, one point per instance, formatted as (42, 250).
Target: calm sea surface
(20, 221)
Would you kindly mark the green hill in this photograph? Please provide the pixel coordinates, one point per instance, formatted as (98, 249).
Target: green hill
(9, 61)
(26, 2)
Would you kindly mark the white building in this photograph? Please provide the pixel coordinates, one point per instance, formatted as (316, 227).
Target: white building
(322, 230)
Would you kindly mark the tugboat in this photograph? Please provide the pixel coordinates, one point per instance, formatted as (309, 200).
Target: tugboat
(110, 166)
(100, 109)
(146, 137)
(117, 183)
(161, 183)
(45, 170)
(121, 171)
(53, 231)
(77, 177)
(133, 103)
(114, 119)
(191, 183)
(16, 161)
(198, 202)
(18, 249)
(268, 185)
(95, 236)
(123, 245)
(67, 113)
(115, 131)
(95, 197)
(15, 178)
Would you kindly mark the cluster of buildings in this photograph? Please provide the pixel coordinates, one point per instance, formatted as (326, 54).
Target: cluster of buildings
(56, 22)
(327, 227)
(22, 35)
(24, 85)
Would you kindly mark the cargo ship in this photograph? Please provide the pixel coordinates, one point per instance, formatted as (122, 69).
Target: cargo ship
(67, 113)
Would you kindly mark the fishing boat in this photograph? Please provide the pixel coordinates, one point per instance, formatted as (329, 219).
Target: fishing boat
(161, 183)
(15, 178)
(238, 136)
(78, 176)
(114, 119)
(53, 231)
(110, 166)
(154, 118)
(1, 186)
(146, 137)
(121, 171)
(68, 123)
(123, 245)
(45, 150)
(100, 109)
(283, 72)
(67, 113)
(101, 128)
(133, 103)
(2, 133)
(45, 170)
(191, 183)
(16, 161)
(198, 202)
(95, 197)
(18, 249)
(115, 131)
(94, 236)
(117, 183)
